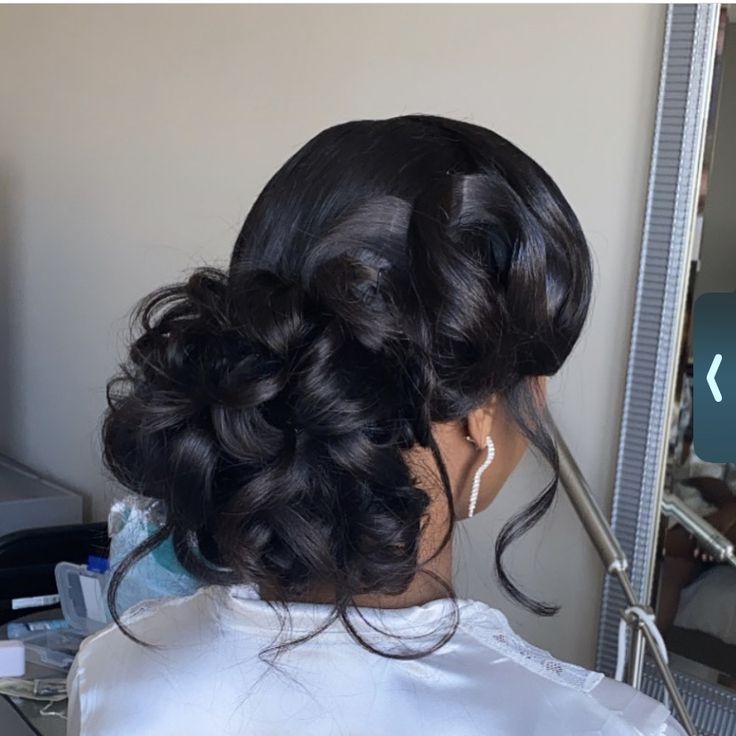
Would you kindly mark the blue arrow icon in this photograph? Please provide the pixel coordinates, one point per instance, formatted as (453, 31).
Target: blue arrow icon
(711, 377)
(714, 377)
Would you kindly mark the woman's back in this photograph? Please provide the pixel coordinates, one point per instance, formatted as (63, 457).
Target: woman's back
(207, 677)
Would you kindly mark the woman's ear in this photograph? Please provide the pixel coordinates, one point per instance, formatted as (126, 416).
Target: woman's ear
(539, 387)
(479, 422)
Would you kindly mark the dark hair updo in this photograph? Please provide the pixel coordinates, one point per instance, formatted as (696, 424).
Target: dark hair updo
(392, 274)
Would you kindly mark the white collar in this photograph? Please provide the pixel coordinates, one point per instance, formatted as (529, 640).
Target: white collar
(243, 608)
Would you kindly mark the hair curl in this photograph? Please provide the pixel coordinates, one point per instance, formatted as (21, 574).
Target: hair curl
(392, 274)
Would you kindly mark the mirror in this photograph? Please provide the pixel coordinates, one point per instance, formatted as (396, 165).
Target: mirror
(688, 249)
(694, 594)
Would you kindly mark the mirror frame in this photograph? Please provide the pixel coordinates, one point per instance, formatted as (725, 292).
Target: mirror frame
(682, 118)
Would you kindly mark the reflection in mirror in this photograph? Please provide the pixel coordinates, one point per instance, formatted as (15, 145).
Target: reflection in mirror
(695, 584)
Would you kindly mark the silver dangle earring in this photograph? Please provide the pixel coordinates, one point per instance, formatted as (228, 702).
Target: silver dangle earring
(478, 473)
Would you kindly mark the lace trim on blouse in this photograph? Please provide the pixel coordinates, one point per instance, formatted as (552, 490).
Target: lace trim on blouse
(505, 640)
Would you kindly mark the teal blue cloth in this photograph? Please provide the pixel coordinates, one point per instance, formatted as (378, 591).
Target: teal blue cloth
(157, 575)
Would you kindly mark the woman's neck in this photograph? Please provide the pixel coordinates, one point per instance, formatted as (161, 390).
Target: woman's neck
(425, 586)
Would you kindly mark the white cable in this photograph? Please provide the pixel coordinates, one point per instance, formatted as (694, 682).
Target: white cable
(618, 566)
(621, 650)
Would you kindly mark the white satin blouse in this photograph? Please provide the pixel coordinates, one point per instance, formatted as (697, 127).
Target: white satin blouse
(207, 679)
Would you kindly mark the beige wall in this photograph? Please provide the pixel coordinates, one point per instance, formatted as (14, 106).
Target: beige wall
(133, 140)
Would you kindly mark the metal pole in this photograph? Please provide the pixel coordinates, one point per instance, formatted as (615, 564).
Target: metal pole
(636, 658)
(614, 560)
(639, 633)
(669, 682)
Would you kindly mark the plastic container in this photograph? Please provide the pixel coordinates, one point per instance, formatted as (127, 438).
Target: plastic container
(55, 649)
(82, 590)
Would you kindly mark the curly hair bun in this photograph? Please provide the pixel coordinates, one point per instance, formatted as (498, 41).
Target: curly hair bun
(391, 275)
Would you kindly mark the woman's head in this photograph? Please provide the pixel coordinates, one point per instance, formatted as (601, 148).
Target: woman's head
(398, 285)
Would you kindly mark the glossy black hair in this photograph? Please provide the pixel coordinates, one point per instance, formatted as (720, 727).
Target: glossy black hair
(392, 274)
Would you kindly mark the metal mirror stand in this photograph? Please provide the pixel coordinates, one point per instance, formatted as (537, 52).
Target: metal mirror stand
(682, 107)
